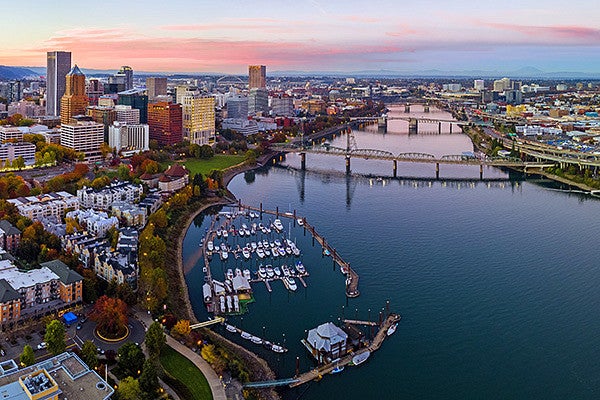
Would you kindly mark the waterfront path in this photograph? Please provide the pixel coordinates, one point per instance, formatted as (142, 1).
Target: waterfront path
(216, 386)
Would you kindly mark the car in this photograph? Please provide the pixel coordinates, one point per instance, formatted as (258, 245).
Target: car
(100, 351)
(83, 320)
(41, 346)
(79, 326)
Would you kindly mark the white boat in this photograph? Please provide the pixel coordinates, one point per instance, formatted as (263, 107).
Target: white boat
(222, 303)
(241, 233)
(225, 234)
(277, 349)
(277, 271)
(278, 225)
(267, 252)
(296, 251)
(275, 253)
(270, 272)
(300, 267)
(262, 272)
(277, 243)
(246, 335)
(238, 272)
(300, 221)
(256, 340)
(236, 304)
(229, 274)
(288, 251)
(392, 329)
(267, 230)
(285, 270)
(219, 232)
(290, 283)
(247, 274)
(337, 369)
(229, 303)
(244, 227)
(246, 253)
(230, 328)
(223, 246)
(281, 251)
(260, 252)
(224, 255)
(360, 358)
(265, 244)
(253, 246)
(210, 246)
(247, 232)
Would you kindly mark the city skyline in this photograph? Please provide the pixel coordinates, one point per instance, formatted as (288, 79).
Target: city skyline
(308, 35)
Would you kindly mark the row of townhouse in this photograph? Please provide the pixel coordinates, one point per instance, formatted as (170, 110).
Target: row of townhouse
(102, 199)
(95, 222)
(45, 205)
(37, 291)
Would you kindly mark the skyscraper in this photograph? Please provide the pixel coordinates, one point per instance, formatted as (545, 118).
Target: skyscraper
(258, 102)
(165, 120)
(57, 67)
(257, 76)
(237, 107)
(136, 99)
(156, 87)
(74, 101)
(127, 73)
(199, 119)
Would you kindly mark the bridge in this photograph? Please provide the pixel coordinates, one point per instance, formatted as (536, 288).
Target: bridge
(413, 122)
(217, 320)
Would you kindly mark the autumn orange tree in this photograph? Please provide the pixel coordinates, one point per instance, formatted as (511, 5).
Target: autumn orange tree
(110, 315)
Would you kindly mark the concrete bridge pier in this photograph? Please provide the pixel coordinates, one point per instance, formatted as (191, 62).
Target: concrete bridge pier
(437, 170)
(395, 168)
(440, 128)
(413, 126)
(303, 161)
(348, 164)
(407, 108)
(426, 108)
(480, 171)
(451, 127)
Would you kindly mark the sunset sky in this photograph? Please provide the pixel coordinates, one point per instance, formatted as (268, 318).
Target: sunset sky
(227, 35)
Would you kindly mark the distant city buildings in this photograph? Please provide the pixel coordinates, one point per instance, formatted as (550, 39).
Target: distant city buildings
(156, 87)
(479, 84)
(94, 90)
(58, 66)
(258, 102)
(136, 99)
(237, 107)
(282, 106)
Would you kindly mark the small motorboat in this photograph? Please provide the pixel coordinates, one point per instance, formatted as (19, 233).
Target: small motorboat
(290, 283)
(300, 222)
(247, 274)
(360, 358)
(256, 340)
(246, 253)
(278, 225)
(246, 335)
(219, 233)
(262, 272)
(277, 271)
(230, 328)
(260, 253)
(210, 246)
(225, 234)
(277, 348)
(270, 272)
(267, 252)
(326, 252)
(300, 267)
(281, 251)
(392, 329)
(229, 274)
(224, 255)
(337, 369)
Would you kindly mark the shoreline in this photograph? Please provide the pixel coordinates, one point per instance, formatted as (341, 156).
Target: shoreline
(258, 366)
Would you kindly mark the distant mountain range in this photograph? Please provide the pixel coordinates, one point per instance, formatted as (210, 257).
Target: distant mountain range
(8, 72)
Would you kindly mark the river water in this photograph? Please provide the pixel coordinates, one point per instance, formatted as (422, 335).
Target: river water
(496, 282)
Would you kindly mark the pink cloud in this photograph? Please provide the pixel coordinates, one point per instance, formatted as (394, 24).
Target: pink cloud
(547, 34)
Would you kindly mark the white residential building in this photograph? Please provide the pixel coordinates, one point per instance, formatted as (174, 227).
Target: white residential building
(95, 222)
(46, 205)
(102, 199)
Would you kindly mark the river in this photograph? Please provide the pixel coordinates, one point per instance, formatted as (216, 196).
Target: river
(496, 282)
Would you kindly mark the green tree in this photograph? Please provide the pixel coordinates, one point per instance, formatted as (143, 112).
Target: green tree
(123, 172)
(126, 293)
(155, 340)
(27, 357)
(55, 337)
(149, 380)
(89, 354)
(206, 152)
(129, 389)
(131, 359)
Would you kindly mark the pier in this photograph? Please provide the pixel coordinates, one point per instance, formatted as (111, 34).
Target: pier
(351, 275)
(318, 372)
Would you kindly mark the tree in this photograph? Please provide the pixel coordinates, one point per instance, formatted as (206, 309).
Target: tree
(110, 314)
(131, 359)
(124, 173)
(149, 379)
(155, 340)
(129, 389)
(55, 337)
(126, 293)
(181, 328)
(27, 357)
(89, 354)
(206, 152)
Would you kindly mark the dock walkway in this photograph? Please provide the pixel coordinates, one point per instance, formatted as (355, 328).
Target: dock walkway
(351, 275)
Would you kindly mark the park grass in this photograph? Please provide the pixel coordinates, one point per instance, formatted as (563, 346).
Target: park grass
(218, 161)
(184, 377)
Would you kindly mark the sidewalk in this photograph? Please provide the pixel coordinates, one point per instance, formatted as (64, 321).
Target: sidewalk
(216, 387)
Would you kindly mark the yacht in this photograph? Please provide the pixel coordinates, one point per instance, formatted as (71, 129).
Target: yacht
(277, 348)
(210, 246)
(246, 253)
(247, 232)
(241, 232)
(225, 234)
(224, 255)
(262, 272)
(288, 251)
(256, 340)
(223, 246)
(300, 268)
(265, 243)
(246, 335)
(247, 274)
(275, 253)
(277, 271)
(222, 303)
(281, 251)
(296, 251)
(260, 252)
(219, 233)
(285, 270)
(360, 358)
(270, 273)
(278, 225)
(277, 243)
(229, 303)
(230, 328)
(290, 283)
(392, 329)
(267, 252)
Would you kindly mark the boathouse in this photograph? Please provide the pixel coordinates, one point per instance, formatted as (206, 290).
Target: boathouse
(327, 342)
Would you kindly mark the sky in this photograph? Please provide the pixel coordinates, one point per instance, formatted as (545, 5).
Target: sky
(226, 36)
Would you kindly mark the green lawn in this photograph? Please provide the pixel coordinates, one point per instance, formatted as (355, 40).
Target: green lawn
(188, 381)
(219, 161)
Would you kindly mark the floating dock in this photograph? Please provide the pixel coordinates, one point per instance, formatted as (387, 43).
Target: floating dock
(351, 275)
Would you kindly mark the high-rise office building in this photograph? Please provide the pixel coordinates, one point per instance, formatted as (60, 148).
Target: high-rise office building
(74, 101)
(237, 107)
(479, 84)
(258, 102)
(257, 76)
(127, 72)
(136, 99)
(199, 119)
(83, 137)
(57, 67)
(282, 106)
(94, 90)
(156, 87)
(165, 121)
(129, 137)
(127, 114)
(15, 92)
